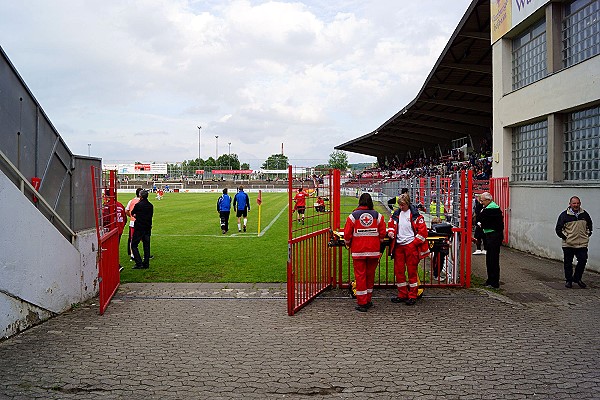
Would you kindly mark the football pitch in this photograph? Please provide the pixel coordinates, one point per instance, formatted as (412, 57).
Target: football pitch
(188, 246)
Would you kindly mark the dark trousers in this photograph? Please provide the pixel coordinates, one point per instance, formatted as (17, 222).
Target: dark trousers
(492, 258)
(144, 237)
(582, 256)
(224, 215)
(479, 237)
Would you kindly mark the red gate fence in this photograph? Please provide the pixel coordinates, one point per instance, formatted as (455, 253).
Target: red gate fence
(310, 260)
(500, 191)
(105, 211)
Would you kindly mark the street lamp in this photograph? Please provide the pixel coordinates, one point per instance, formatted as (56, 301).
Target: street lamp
(89, 149)
(199, 127)
(216, 148)
(229, 153)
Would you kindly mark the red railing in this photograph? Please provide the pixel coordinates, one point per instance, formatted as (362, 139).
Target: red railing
(105, 211)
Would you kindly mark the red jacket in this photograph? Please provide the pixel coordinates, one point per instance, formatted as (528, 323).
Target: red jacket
(419, 228)
(363, 233)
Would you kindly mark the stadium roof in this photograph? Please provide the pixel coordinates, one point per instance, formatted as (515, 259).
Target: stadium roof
(455, 101)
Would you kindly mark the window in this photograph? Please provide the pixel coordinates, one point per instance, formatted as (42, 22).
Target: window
(530, 152)
(582, 145)
(529, 55)
(581, 31)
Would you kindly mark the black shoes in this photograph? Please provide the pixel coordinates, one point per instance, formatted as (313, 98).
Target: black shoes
(361, 308)
(411, 302)
(244, 228)
(569, 284)
(369, 304)
(398, 300)
(581, 284)
(224, 231)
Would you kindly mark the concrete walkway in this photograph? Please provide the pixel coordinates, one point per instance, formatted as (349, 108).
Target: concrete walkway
(534, 339)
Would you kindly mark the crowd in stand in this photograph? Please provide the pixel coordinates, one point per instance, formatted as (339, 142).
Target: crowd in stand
(480, 162)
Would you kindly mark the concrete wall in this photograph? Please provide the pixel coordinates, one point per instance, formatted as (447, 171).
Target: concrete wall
(41, 273)
(533, 216)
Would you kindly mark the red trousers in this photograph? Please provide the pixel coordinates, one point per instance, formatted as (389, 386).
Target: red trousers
(364, 273)
(406, 257)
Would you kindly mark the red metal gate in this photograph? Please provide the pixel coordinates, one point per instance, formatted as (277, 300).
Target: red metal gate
(105, 211)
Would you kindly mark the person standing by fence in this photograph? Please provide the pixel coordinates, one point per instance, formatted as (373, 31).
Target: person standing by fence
(363, 233)
(491, 220)
(408, 233)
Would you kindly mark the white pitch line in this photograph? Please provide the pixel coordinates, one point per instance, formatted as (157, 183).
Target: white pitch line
(236, 235)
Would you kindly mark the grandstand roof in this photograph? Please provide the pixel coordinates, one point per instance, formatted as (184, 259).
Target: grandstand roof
(454, 102)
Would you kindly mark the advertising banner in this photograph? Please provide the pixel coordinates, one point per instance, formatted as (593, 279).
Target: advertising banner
(506, 14)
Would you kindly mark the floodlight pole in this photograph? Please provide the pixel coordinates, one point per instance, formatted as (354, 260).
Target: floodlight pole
(89, 149)
(216, 149)
(199, 127)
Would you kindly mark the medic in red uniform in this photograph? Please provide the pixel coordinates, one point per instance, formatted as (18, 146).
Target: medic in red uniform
(408, 234)
(363, 233)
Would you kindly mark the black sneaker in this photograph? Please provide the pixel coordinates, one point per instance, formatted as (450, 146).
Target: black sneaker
(244, 228)
(411, 302)
(581, 284)
(398, 300)
(569, 284)
(369, 304)
(361, 308)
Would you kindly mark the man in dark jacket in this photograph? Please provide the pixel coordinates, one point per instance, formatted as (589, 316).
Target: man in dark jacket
(224, 209)
(574, 227)
(143, 212)
(491, 220)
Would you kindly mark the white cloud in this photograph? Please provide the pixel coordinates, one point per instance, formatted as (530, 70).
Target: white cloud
(136, 78)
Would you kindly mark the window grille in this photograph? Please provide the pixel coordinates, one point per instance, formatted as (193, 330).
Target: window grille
(582, 146)
(530, 152)
(581, 31)
(529, 56)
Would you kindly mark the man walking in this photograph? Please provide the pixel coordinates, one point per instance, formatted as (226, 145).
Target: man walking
(241, 204)
(224, 208)
(574, 227)
(143, 212)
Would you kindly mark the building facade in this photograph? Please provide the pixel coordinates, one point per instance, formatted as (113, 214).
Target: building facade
(546, 116)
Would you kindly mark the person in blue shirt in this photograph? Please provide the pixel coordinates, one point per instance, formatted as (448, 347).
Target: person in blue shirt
(224, 208)
(241, 204)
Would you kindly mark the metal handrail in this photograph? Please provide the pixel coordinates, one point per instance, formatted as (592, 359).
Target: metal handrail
(24, 183)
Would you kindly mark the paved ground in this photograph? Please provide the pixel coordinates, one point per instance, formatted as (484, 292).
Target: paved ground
(533, 340)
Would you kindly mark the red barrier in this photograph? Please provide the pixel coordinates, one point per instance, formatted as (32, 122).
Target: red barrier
(107, 232)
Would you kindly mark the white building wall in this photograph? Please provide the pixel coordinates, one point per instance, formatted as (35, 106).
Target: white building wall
(535, 206)
(41, 273)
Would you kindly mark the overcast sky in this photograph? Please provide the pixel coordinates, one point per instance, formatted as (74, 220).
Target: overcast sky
(135, 78)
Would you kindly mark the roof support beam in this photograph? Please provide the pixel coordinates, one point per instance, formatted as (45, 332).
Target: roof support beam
(475, 35)
(484, 69)
(479, 90)
(467, 105)
(467, 119)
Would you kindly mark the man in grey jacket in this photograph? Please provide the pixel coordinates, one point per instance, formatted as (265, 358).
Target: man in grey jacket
(574, 227)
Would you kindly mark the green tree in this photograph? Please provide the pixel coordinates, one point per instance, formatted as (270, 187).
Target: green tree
(227, 161)
(338, 160)
(276, 161)
(245, 166)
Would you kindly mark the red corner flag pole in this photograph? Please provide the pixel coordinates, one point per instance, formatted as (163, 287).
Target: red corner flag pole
(259, 202)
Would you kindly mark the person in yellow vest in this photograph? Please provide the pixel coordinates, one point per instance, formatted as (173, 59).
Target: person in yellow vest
(433, 210)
